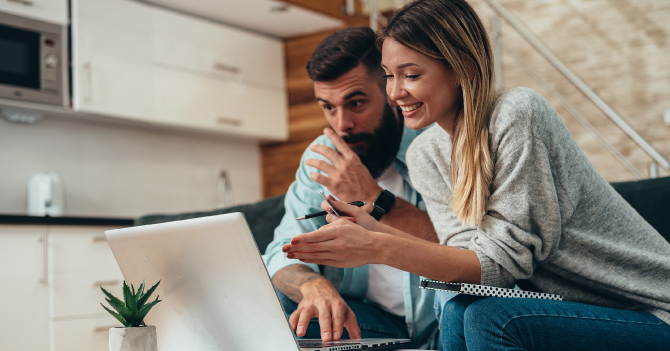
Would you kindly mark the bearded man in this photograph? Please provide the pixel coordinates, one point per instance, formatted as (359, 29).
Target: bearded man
(362, 158)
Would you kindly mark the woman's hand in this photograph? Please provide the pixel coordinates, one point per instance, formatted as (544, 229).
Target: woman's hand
(342, 244)
(350, 212)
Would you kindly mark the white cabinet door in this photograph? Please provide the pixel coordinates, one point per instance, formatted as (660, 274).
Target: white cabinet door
(90, 334)
(216, 50)
(52, 11)
(24, 293)
(82, 262)
(112, 58)
(219, 105)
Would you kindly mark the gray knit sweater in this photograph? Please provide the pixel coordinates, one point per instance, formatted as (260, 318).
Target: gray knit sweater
(551, 219)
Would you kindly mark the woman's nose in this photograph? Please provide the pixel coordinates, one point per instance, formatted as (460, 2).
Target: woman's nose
(395, 89)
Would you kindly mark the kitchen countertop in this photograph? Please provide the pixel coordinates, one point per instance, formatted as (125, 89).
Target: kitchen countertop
(64, 220)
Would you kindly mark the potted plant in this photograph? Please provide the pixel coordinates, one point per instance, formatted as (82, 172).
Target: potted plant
(134, 335)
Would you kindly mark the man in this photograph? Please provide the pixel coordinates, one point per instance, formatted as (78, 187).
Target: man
(361, 156)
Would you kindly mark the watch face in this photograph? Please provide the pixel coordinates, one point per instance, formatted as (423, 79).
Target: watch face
(385, 201)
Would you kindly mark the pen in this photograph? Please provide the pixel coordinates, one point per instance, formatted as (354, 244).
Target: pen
(323, 213)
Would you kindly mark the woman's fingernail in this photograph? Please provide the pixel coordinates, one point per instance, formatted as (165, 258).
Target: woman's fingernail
(294, 242)
(301, 330)
(336, 335)
(285, 249)
(325, 336)
(290, 255)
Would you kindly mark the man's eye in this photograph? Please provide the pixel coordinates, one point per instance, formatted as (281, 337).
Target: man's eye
(356, 103)
(327, 107)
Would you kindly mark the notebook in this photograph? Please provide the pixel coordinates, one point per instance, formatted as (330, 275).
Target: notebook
(484, 290)
(216, 291)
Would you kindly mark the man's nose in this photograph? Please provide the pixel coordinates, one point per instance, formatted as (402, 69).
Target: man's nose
(344, 121)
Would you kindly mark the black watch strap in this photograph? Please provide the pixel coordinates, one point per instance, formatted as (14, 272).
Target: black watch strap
(383, 204)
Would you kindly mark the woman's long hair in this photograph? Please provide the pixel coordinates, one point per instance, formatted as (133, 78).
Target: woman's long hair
(451, 31)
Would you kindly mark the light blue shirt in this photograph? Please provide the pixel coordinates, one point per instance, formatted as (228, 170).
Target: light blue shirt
(303, 198)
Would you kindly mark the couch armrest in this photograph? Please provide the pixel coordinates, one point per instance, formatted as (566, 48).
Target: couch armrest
(651, 199)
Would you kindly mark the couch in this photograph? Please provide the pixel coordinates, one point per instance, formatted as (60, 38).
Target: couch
(650, 197)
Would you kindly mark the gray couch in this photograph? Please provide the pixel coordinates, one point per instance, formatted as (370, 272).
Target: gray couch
(650, 197)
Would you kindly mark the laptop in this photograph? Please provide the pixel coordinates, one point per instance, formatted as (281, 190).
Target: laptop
(216, 291)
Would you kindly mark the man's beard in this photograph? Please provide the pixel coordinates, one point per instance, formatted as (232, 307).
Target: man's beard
(382, 145)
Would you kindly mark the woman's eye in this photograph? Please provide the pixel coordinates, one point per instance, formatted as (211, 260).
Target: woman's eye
(412, 76)
(387, 76)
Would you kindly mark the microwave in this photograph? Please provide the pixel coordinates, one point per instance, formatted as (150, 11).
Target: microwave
(33, 61)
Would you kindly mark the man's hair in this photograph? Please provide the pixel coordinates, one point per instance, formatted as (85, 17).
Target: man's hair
(343, 50)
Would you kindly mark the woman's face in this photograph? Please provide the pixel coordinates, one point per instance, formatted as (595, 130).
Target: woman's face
(424, 88)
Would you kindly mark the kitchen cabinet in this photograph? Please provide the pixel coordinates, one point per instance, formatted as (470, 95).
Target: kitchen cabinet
(217, 78)
(24, 292)
(111, 41)
(55, 272)
(52, 11)
(144, 63)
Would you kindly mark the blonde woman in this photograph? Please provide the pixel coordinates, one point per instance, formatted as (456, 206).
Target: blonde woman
(513, 200)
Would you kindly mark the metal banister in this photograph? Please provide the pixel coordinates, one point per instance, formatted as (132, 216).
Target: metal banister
(572, 77)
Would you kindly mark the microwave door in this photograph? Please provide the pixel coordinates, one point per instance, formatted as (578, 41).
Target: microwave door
(20, 59)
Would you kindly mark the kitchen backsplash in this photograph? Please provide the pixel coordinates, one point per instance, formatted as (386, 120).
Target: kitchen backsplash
(124, 171)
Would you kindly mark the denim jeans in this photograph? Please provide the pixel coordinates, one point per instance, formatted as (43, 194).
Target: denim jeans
(373, 321)
(497, 323)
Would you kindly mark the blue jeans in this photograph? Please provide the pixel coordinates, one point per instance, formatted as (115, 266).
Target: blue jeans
(373, 321)
(497, 323)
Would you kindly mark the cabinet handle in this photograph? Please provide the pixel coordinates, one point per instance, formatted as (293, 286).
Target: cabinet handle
(106, 282)
(45, 277)
(23, 2)
(104, 329)
(229, 121)
(89, 82)
(100, 239)
(226, 68)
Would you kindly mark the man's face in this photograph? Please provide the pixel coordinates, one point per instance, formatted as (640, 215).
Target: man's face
(357, 110)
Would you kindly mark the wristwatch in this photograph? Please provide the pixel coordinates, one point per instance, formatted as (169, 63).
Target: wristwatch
(383, 204)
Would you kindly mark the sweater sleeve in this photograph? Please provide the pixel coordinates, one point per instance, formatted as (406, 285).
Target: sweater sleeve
(522, 223)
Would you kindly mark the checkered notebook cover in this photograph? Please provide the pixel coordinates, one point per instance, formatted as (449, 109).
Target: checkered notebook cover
(483, 290)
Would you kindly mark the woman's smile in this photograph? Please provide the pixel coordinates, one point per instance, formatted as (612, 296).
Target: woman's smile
(410, 110)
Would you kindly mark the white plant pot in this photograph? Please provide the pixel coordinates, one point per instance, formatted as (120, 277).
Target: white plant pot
(133, 339)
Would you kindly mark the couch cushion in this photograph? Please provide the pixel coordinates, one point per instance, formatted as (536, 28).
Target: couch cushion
(651, 199)
(263, 217)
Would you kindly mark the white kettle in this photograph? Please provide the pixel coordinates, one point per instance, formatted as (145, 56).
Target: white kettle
(45, 195)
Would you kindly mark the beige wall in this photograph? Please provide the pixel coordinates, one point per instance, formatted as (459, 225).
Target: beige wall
(620, 48)
(116, 170)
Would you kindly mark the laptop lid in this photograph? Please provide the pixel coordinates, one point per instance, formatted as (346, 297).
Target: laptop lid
(216, 292)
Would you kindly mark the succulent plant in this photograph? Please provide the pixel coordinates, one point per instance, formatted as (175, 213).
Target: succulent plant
(132, 311)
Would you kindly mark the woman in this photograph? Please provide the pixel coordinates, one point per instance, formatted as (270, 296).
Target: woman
(513, 200)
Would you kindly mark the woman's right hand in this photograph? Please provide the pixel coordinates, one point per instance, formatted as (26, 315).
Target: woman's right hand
(350, 212)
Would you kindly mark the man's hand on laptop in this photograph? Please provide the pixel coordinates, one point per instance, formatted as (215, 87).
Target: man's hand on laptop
(346, 176)
(321, 300)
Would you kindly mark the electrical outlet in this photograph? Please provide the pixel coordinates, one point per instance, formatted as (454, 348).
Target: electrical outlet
(666, 116)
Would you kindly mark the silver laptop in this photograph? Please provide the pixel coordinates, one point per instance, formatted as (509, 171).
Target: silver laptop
(216, 291)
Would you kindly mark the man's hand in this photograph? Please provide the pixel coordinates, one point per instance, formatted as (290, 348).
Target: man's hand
(347, 178)
(321, 300)
(316, 297)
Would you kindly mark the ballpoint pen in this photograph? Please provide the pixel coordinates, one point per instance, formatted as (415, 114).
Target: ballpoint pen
(323, 213)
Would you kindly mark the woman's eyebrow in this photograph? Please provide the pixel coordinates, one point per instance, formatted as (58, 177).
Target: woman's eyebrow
(402, 65)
